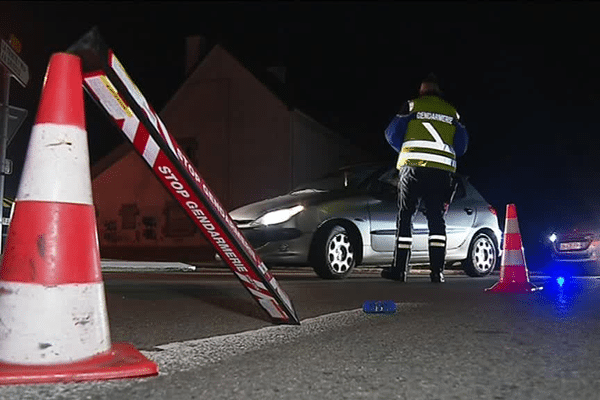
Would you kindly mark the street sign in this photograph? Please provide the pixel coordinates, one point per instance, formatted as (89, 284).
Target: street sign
(16, 117)
(8, 167)
(11, 60)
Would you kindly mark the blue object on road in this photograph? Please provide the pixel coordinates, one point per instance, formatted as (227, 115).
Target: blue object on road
(379, 307)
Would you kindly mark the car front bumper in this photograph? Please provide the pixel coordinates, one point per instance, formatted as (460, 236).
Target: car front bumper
(279, 245)
(589, 254)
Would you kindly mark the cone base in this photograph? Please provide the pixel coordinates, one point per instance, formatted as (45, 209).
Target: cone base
(121, 361)
(514, 287)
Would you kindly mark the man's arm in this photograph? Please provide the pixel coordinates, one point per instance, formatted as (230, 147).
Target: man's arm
(394, 134)
(461, 139)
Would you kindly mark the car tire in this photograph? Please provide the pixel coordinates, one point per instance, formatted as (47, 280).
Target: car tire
(483, 255)
(333, 255)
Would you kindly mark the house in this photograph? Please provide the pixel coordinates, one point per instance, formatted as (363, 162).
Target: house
(246, 141)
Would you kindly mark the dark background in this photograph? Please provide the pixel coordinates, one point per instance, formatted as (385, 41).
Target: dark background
(523, 75)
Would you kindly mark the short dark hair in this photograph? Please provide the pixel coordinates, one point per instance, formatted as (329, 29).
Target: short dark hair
(431, 84)
(431, 78)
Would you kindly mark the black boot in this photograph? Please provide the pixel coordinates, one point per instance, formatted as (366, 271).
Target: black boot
(437, 257)
(437, 277)
(393, 274)
(399, 270)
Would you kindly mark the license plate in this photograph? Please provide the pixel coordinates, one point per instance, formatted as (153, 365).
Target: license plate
(572, 246)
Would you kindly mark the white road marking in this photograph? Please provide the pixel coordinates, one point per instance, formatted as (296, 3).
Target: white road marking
(145, 266)
(182, 356)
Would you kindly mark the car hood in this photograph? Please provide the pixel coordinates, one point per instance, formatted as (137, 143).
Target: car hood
(581, 229)
(306, 197)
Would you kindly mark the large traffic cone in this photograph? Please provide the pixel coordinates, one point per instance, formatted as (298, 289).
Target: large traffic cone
(514, 277)
(54, 323)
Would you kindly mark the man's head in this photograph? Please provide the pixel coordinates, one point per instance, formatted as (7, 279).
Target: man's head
(429, 86)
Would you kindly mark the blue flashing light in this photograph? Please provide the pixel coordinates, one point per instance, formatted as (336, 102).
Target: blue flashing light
(560, 280)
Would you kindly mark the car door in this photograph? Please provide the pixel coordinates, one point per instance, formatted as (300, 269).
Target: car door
(459, 220)
(384, 210)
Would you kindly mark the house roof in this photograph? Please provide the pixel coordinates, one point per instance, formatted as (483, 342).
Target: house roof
(260, 70)
(261, 73)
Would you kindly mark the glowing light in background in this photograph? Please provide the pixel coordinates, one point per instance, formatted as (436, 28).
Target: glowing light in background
(560, 280)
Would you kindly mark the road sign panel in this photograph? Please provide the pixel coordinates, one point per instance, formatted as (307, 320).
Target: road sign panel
(8, 167)
(16, 117)
(11, 60)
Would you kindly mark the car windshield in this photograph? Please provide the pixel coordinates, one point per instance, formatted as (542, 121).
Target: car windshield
(345, 178)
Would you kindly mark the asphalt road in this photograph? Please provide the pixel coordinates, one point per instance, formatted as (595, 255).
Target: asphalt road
(452, 341)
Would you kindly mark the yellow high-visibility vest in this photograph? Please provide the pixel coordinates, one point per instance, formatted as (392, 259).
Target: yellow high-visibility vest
(430, 135)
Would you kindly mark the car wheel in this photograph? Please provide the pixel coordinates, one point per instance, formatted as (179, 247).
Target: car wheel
(333, 254)
(482, 257)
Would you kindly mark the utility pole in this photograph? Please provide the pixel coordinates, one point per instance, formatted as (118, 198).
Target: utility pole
(3, 136)
(12, 67)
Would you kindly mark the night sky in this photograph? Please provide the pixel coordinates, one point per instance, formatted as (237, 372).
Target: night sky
(523, 76)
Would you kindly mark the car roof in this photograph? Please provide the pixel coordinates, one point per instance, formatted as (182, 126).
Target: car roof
(379, 164)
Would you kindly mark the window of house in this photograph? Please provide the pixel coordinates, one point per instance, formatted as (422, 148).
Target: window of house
(128, 214)
(150, 224)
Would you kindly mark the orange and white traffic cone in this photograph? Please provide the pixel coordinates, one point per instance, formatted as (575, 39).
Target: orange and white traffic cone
(52, 306)
(514, 277)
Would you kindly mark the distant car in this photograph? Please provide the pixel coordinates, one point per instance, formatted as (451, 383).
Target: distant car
(348, 218)
(574, 250)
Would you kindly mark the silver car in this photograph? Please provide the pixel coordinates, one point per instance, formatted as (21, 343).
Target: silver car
(574, 249)
(348, 218)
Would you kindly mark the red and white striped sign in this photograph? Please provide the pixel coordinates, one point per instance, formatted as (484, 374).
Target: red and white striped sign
(108, 83)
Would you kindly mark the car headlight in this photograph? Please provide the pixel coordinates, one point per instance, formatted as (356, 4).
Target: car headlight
(278, 216)
(552, 238)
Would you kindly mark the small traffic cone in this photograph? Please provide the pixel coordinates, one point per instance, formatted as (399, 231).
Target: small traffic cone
(52, 306)
(514, 277)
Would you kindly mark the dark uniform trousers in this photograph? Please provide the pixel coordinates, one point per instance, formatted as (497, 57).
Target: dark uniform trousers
(434, 188)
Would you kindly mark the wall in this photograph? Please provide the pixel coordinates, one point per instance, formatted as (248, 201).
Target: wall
(137, 217)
